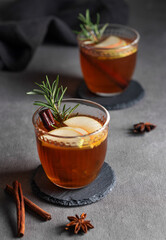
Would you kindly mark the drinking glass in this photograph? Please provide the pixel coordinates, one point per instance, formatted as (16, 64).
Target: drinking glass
(73, 162)
(107, 70)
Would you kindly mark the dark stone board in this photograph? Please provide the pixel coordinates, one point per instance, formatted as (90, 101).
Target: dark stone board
(95, 191)
(131, 95)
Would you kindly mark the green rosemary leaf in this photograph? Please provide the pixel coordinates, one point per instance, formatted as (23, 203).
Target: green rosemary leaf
(40, 85)
(37, 91)
(88, 16)
(61, 97)
(56, 89)
(71, 110)
(102, 30)
(48, 100)
(42, 104)
(81, 18)
(75, 107)
(96, 30)
(44, 85)
(48, 83)
(57, 94)
(64, 107)
(31, 93)
(55, 85)
(84, 31)
(65, 112)
(98, 19)
(34, 92)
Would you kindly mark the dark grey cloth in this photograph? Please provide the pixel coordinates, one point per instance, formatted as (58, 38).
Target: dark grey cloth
(27, 23)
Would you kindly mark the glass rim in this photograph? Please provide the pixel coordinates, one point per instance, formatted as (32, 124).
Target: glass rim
(73, 137)
(135, 41)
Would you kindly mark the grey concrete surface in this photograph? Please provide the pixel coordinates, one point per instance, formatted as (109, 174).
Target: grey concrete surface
(136, 208)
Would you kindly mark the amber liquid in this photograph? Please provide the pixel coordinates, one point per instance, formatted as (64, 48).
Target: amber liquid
(71, 167)
(106, 72)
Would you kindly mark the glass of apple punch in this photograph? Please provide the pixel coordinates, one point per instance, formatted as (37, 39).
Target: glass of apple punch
(108, 54)
(73, 154)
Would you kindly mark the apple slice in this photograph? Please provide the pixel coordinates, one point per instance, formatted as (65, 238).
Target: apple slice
(66, 132)
(87, 123)
(61, 133)
(111, 42)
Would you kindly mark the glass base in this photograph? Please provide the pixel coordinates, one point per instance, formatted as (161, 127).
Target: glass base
(69, 188)
(74, 187)
(107, 94)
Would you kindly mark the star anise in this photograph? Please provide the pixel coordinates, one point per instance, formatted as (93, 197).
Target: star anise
(79, 223)
(143, 127)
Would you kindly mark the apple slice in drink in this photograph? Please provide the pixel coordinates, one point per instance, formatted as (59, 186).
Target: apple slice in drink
(61, 133)
(90, 125)
(111, 42)
(117, 47)
(66, 132)
(87, 123)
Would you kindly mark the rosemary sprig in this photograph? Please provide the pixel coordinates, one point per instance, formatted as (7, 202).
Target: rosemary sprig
(89, 30)
(53, 96)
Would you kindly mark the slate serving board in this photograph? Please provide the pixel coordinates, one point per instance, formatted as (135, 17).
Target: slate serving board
(130, 96)
(92, 193)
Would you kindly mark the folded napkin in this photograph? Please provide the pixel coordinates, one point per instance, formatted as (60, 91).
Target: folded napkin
(26, 24)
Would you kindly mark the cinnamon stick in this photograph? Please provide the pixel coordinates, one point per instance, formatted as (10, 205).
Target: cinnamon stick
(30, 205)
(110, 73)
(20, 208)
